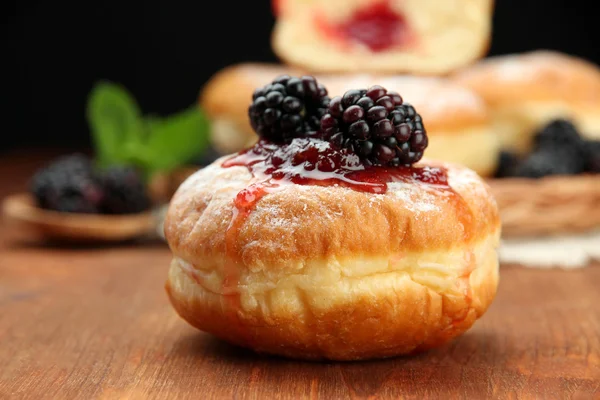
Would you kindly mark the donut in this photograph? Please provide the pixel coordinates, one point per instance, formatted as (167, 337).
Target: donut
(458, 120)
(308, 247)
(428, 37)
(527, 91)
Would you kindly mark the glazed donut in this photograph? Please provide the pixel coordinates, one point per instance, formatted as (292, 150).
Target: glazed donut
(457, 119)
(527, 91)
(317, 267)
(429, 37)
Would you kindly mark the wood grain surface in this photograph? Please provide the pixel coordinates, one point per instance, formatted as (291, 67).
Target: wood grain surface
(95, 323)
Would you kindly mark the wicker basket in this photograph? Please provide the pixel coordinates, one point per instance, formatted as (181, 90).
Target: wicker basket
(546, 206)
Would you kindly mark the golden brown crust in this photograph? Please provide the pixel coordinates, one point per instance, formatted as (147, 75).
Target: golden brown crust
(409, 217)
(537, 76)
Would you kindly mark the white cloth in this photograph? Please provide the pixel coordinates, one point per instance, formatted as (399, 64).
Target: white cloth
(564, 251)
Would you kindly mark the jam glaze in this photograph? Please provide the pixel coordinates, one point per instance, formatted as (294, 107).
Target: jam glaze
(304, 162)
(378, 27)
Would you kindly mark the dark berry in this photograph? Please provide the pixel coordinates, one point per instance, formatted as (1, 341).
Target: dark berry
(559, 134)
(69, 184)
(295, 87)
(274, 99)
(391, 142)
(383, 153)
(419, 141)
(376, 113)
(402, 132)
(376, 92)
(364, 148)
(311, 87)
(592, 156)
(283, 79)
(292, 104)
(383, 128)
(396, 98)
(350, 98)
(377, 125)
(291, 122)
(386, 102)
(359, 130)
(507, 164)
(548, 162)
(328, 122)
(353, 114)
(322, 90)
(287, 108)
(335, 107)
(124, 191)
(365, 103)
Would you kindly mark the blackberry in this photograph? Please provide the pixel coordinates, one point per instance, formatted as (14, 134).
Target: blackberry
(592, 156)
(377, 125)
(288, 108)
(68, 184)
(561, 134)
(545, 162)
(507, 164)
(124, 191)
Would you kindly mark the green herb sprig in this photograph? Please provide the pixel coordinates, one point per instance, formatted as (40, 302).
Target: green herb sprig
(121, 134)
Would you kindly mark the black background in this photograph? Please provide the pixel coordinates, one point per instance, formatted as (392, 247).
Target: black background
(52, 52)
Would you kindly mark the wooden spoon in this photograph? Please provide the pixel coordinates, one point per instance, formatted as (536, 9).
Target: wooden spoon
(79, 227)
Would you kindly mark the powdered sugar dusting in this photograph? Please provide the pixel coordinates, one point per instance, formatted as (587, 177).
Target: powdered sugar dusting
(465, 179)
(416, 197)
(510, 69)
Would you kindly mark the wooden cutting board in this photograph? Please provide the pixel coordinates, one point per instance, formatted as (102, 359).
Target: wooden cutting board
(94, 322)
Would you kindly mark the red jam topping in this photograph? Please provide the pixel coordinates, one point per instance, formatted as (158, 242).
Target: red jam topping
(315, 162)
(377, 27)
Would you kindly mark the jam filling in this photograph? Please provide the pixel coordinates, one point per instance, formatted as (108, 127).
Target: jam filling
(378, 27)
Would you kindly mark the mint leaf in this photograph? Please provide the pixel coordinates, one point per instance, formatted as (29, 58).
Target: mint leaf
(121, 135)
(116, 124)
(176, 139)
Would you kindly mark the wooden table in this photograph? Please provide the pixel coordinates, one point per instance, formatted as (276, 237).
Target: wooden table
(95, 323)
